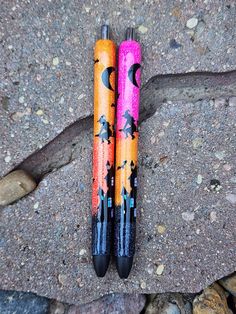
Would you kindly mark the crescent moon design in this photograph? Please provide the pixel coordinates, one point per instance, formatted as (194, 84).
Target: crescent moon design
(132, 73)
(106, 77)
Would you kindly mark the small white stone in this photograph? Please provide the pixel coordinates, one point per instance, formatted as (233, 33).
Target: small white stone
(199, 179)
(55, 61)
(160, 269)
(68, 63)
(142, 29)
(82, 252)
(39, 112)
(143, 284)
(231, 198)
(36, 205)
(10, 47)
(81, 96)
(213, 216)
(197, 142)
(7, 159)
(220, 155)
(191, 23)
(87, 9)
(21, 99)
(45, 121)
(71, 109)
(166, 123)
(188, 216)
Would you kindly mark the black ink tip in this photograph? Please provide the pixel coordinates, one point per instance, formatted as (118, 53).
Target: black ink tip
(101, 263)
(105, 33)
(130, 34)
(124, 265)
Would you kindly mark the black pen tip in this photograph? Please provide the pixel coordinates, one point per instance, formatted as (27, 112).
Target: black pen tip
(101, 263)
(124, 265)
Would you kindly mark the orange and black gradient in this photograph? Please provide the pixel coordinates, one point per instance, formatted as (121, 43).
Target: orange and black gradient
(103, 151)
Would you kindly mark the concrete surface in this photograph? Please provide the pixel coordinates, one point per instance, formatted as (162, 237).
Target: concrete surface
(186, 212)
(46, 63)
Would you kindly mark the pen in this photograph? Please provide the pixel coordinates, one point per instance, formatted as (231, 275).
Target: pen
(126, 152)
(103, 150)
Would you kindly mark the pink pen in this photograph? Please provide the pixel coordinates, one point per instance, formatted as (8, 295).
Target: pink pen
(126, 152)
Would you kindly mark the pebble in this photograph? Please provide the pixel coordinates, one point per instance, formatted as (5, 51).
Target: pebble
(16, 116)
(231, 198)
(81, 96)
(39, 112)
(62, 279)
(161, 229)
(21, 99)
(36, 205)
(191, 23)
(82, 252)
(7, 159)
(160, 269)
(188, 216)
(197, 142)
(211, 301)
(80, 282)
(143, 284)
(14, 186)
(45, 121)
(87, 9)
(142, 29)
(220, 155)
(229, 283)
(213, 217)
(199, 179)
(55, 61)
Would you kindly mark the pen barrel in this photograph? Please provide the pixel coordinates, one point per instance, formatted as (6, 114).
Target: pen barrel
(103, 146)
(127, 147)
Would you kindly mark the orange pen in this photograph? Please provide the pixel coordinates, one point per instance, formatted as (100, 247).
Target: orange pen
(103, 151)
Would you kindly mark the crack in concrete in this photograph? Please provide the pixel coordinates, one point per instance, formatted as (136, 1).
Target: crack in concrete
(189, 87)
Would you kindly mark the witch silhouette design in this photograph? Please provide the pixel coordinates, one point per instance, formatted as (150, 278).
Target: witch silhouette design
(130, 127)
(105, 132)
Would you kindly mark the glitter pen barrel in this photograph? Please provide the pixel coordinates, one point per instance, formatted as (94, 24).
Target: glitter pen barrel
(126, 152)
(103, 151)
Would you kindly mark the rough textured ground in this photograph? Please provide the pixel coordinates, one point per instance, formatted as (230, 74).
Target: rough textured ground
(187, 201)
(187, 179)
(46, 57)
